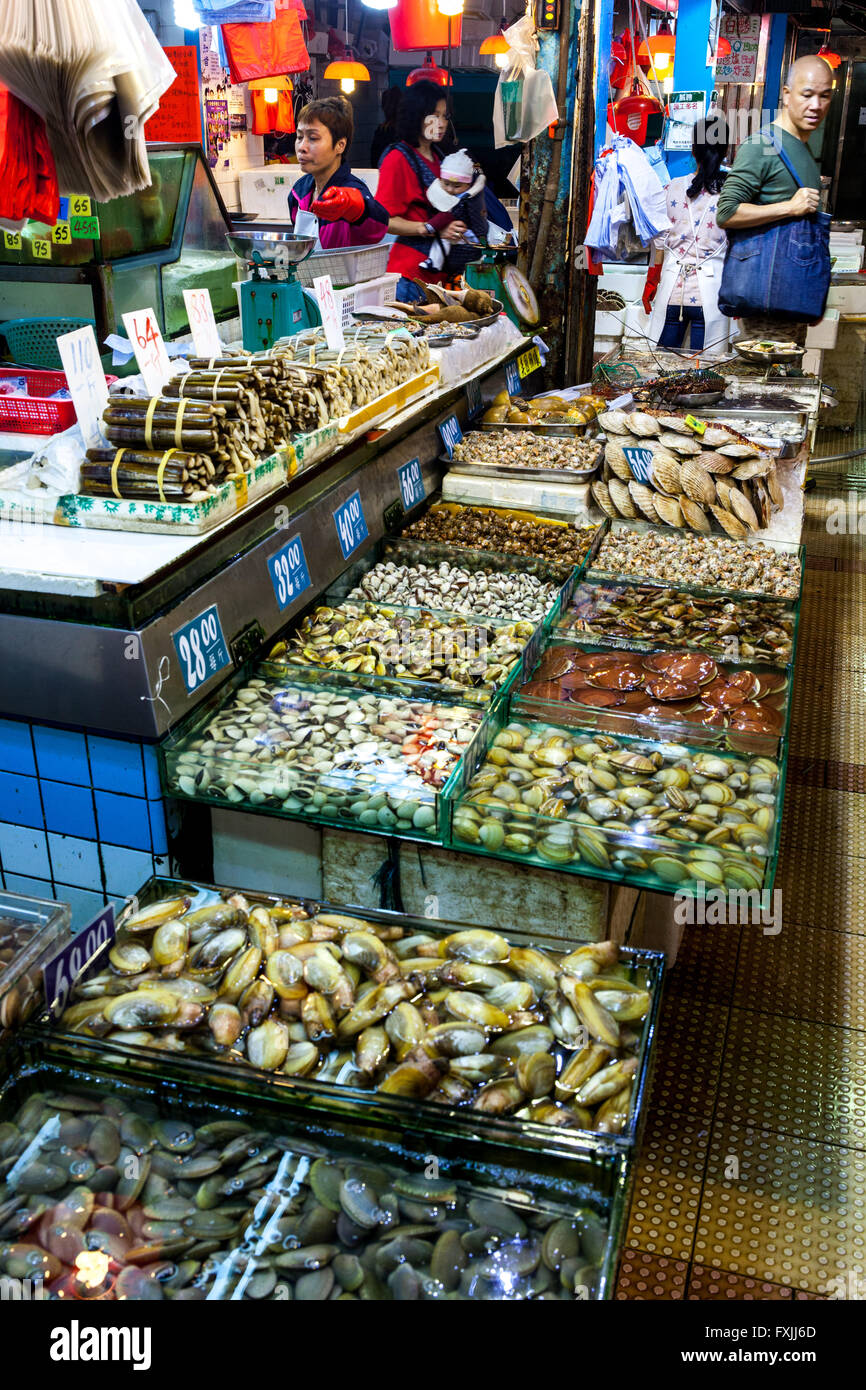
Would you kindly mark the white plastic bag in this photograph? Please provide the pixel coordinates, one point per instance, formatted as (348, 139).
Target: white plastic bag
(525, 102)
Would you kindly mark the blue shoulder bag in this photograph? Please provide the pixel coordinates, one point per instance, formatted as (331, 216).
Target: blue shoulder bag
(780, 271)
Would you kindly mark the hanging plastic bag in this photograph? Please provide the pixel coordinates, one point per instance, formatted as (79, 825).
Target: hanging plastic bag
(525, 102)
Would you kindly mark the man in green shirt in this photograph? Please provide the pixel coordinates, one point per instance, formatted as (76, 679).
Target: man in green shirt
(759, 190)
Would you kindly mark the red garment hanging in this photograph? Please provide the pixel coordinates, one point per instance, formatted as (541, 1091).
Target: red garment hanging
(266, 50)
(269, 116)
(28, 188)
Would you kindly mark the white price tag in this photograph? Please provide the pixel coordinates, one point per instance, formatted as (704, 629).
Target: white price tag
(332, 321)
(88, 388)
(150, 354)
(205, 334)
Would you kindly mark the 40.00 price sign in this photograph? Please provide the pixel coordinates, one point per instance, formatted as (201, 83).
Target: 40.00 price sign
(350, 524)
(70, 963)
(202, 648)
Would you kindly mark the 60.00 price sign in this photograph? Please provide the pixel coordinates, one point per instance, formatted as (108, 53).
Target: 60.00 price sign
(60, 973)
(350, 524)
(202, 648)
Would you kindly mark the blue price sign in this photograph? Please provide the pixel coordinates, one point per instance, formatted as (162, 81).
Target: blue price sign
(350, 524)
(450, 433)
(202, 648)
(640, 461)
(63, 215)
(289, 573)
(473, 397)
(512, 378)
(411, 484)
(74, 959)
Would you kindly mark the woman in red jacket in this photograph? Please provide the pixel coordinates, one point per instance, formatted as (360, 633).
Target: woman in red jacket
(347, 212)
(406, 172)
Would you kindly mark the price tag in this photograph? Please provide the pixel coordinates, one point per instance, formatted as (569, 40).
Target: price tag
(289, 573)
(60, 234)
(512, 378)
(41, 248)
(528, 361)
(63, 214)
(699, 426)
(84, 228)
(79, 206)
(201, 647)
(450, 433)
(205, 334)
(640, 461)
(150, 354)
(474, 402)
(75, 958)
(332, 317)
(12, 241)
(350, 524)
(85, 378)
(411, 484)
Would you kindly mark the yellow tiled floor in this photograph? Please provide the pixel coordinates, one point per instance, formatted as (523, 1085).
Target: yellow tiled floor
(750, 1183)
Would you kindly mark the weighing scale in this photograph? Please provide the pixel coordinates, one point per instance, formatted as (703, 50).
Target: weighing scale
(274, 303)
(497, 274)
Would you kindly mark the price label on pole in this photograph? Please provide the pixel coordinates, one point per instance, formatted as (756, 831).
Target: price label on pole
(411, 484)
(74, 959)
(79, 206)
(205, 334)
(60, 234)
(332, 318)
(201, 647)
(450, 433)
(289, 573)
(150, 354)
(528, 361)
(41, 247)
(12, 241)
(350, 524)
(85, 378)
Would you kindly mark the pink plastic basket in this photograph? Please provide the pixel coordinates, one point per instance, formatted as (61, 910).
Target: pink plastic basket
(33, 413)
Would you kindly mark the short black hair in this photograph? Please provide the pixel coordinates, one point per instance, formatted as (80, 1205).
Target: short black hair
(336, 114)
(390, 99)
(709, 149)
(416, 104)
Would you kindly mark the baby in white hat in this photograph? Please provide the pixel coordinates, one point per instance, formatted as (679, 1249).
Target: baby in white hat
(456, 196)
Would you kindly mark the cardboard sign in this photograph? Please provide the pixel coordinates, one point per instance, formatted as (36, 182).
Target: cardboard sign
(178, 118)
(743, 32)
(202, 324)
(512, 378)
(528, 361)
(88, 388)
(147, 344)
(332, 317)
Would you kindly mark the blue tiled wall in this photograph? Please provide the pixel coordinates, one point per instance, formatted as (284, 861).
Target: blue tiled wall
(81, 816)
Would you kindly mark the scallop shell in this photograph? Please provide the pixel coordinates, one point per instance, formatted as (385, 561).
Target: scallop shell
(761, 502)
(603, 498)
(753, 468)
(696, 483)
(714, 436)
(740, 451)
(643, 425)
(724, 488)
(694, 515)
(613, 422)
(666, 473)
(679, 443)
(643, 497)
(621, 498)
(713, 462)
(676, 423)
(742, 508)
(668, 509)
(730, 523)
(615, 457)
(777, 497)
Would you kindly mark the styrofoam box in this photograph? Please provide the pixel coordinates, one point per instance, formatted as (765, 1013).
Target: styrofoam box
(824, 334)
(848, 299)
(627, 280)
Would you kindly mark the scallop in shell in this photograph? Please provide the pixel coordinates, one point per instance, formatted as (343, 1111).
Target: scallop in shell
(714, 436)
(724, 488)
(740, 451)
(752, 468)
(742, 507)
(679, 443)
(615, 457)
(677, 423)
(643, 496)
(730, 523)
(621, 498)
(603, 498)
(666, 472)
(777, 497)
(696, 483)
(643, 425)
(761, 502)
(713, 462)
(668, 509)
(613, 422)
(694, 515)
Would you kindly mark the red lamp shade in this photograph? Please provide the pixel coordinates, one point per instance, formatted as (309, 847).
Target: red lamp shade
(429, 72)
(829, 57)
(631, 115)
(618, 64)
(658, 50)
(418, 24)
(723, 49)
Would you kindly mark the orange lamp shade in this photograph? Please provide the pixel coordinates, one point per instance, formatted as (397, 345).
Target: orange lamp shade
(829, 57)
(419, 24)
(657, 52)
(347, 67)
(429, 72)
(494, 43)
(724, 48)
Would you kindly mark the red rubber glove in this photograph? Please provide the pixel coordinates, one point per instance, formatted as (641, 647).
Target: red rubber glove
(337, 203)
(654, 274)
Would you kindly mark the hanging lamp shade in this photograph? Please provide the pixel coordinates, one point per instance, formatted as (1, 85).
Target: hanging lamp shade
(450, 7)
(271, 84)
(637, 115)
(494, 43)
(419, 24)
(618, 64)
(347, 71)
(829, 56)
(658, 50)
(429, 72)
(723, 48)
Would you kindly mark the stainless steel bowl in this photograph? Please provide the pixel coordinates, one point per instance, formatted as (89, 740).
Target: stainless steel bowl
(269, 246)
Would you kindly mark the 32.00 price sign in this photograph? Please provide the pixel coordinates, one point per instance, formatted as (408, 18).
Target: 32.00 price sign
(289, 573)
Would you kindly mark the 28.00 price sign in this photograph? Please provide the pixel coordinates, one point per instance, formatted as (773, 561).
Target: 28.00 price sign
(201, 647)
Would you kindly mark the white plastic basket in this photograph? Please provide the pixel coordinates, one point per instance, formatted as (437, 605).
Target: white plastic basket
(369, 294)
(346, 266)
